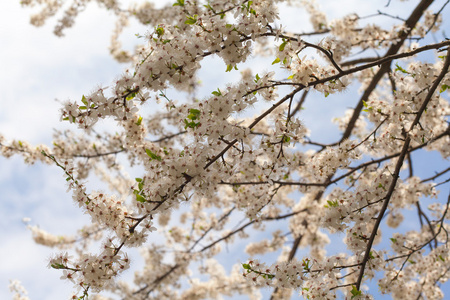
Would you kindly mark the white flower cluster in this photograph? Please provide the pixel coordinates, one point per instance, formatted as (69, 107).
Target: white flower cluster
(20, 293)
(328, 161)
(42, 237)
(92, 271)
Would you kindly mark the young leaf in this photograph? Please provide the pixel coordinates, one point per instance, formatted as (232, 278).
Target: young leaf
(139, 121)
(141, 199)
(152, 155)
(217, 93)
(159, 31)
(179, 3)
(83, 99)
(283, 44)
(355, 292)
(194, 114)
(191, 20)
(398, 68)
(277, 60)
(131, 96)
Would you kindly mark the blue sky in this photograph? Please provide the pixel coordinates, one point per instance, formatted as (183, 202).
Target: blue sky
(36, 69)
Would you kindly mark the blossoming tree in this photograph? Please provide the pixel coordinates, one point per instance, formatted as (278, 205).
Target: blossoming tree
(244, 152)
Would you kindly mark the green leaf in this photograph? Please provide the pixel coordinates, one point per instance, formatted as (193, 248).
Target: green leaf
(365, 103)
(179, 3)
(152, 155)
(131, 96)
(277, 60)
(83, 99)
(286, 139)
(82, 107)
(191, 20)
(141, 199)
(257, 78)
(160, 31)
(229, 68)
(441, 258)
(140, 185)
(305, 264)
(355, 292)
(444, 87)
(217, 93)
(398, 68)
(191, 124)
(283, 44)
(246, 266)
(58, 266)
(290, 77)
(393, 240)
(194, 114)
(334, 203)
(139, 121)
